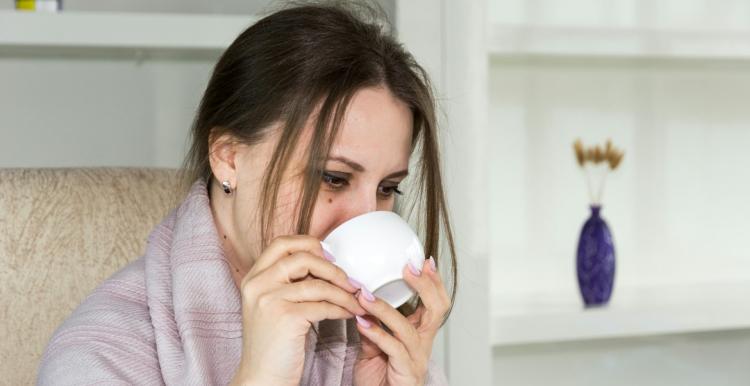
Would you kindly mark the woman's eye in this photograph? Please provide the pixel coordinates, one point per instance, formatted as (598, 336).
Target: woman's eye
(335, 182)
(388, 190)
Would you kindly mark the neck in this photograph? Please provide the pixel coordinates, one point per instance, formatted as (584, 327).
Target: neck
(221, 209)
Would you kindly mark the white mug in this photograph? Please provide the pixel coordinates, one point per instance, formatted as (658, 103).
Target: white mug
(373, 249)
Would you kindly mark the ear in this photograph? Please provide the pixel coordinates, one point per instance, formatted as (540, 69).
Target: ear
(222, 154)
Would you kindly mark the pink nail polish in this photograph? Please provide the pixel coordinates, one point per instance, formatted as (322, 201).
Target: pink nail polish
(367, 295)
(433, 265)
(328, 256)
(355, 283)
(414, 271)
(362, 321)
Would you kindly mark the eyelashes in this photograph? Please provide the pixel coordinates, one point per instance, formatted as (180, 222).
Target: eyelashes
(338, 181)
(389, 190)
(335, 181)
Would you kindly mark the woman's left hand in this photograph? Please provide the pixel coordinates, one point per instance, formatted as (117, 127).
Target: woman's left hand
(401, 358)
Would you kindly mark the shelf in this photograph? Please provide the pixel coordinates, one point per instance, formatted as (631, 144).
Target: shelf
(560, 317)
(525, 41)
(39, 31)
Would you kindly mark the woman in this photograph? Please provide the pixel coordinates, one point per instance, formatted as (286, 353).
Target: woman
(310, 118)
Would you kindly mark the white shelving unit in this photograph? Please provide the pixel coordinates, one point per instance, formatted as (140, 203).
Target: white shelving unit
(40, 31)
(144, 70)
(528, 318)
(560, 317)
(514, 40)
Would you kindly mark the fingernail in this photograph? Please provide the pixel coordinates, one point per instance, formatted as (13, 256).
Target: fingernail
(413, 269)
(362, 321)
(326, 252)
(355, 283)
(367, 294)
(433, 265)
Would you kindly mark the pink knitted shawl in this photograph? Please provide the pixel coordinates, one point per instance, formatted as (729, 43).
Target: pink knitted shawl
(173, 317)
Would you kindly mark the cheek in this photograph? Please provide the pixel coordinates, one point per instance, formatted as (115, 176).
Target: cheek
(327, 214)
(333, 209)
(386, 204)
(284, 222)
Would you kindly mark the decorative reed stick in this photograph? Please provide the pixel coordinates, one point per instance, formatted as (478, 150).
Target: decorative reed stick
(594, 157)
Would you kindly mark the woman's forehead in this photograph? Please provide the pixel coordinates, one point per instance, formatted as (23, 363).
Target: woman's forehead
(376, 125)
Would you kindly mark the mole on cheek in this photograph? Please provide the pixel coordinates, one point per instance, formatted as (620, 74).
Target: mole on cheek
(330, 200)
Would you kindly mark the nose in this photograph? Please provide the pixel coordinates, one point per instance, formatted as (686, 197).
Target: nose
(363, 202)
(358, 203)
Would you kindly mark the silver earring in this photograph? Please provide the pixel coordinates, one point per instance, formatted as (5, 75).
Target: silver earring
(227, 187)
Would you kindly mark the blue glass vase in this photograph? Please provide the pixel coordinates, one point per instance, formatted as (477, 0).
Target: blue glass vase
(596, 260)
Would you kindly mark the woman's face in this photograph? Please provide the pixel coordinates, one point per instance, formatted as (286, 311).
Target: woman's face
(368, 160)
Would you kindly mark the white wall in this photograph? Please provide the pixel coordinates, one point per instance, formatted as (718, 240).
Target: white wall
(448, 40)
(63, 112)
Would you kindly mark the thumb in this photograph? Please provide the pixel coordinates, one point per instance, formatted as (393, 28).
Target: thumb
(369, 349)
(416, 318)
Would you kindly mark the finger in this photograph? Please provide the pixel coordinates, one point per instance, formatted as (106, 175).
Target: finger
(433, 273)
(300, 265)
(402, 329)
(397, 352)
(368, 348)
(433, 295)
(316, 311)
(317, 290)
(284, 246)
(416, 317)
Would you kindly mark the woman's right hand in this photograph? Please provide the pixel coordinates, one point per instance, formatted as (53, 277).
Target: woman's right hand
(289, 287)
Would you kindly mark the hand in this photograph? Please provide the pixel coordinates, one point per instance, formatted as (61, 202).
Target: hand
(289, 287)
(401, 358)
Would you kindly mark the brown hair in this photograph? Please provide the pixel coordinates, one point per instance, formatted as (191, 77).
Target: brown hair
(318, 55)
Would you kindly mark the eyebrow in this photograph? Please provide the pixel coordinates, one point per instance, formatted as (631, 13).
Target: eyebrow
(360, 168)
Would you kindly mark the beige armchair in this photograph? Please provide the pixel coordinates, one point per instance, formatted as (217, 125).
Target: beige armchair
(62, 232)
